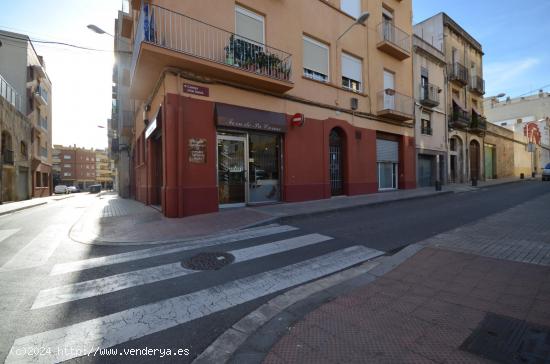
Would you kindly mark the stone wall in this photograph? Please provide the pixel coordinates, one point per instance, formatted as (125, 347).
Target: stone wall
(503, 140)
(16, 179)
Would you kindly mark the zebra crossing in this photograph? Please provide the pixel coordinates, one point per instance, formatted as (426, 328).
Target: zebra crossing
(121, 327)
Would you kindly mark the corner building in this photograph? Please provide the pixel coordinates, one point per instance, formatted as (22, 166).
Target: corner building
(259, 101)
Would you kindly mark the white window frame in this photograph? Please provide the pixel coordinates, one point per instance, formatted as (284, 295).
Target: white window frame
(67, 156)
(354, 59)
(305, 38)
(251, 14)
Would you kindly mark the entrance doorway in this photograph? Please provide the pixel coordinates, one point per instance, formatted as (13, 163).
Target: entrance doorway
(335, 163)
(157, 178)
(490, 170)
(232, 174)
(426, 170)
(474, 160)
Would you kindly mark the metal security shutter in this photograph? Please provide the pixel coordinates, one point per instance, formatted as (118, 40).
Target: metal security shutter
(387, 151)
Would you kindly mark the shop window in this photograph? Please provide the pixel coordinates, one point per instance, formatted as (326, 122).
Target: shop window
(351, 72)
(38, 179)
(316, 63)
(351, 7)
(45, 180)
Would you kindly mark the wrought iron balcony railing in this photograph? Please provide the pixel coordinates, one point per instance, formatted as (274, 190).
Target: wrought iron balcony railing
(478, 85)
(459, 73)
(429, 94)
(394, 105)
(399, 39)
(478, 123)
(174, 31)
(7, 157)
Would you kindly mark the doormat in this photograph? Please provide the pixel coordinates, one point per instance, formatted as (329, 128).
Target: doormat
(509, 340)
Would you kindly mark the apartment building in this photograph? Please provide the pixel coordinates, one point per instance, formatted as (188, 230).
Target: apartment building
(77, 166)
(465, 90)
(431, 113)
(259, 102)
(15, 128)
(121, 124)
(25, 71)
(103, 169)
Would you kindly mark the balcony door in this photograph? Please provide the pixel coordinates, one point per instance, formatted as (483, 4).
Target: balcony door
(389, 87)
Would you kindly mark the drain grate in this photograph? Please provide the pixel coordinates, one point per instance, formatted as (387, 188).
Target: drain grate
(509, 340)
(208, 261)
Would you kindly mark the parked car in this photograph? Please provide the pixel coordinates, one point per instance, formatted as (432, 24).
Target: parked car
(546, 173)
(73, 189)
(61, 189)
(94, 188)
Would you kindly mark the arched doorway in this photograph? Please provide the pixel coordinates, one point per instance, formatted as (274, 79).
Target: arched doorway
(474, 160)
(336, 171)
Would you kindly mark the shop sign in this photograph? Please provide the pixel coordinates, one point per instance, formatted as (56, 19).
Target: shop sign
(151, 128)
(197, 150)
(196, 90)
(247, 118)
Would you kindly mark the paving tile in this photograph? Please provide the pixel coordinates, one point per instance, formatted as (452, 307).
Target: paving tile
(273, 358)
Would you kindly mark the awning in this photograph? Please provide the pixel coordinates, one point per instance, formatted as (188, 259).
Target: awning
(247, 118)
(456, 104)
(474, 111)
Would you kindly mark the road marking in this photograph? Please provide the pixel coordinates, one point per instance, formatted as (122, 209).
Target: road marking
(76, 340)
(118, 282)
(169, 249)
(4, 234)
(37, 251)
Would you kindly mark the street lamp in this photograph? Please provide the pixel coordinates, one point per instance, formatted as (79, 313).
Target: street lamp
(98, 30)
(359, 21)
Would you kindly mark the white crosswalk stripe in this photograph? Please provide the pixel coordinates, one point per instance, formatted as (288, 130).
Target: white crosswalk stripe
(101, 286)
(169, 249)
(37, 251)
(137, 322)
(4, 234)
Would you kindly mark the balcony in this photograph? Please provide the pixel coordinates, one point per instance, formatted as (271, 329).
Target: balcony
(10, 95)
(7, 157)
(41, 95)
(429, 95)
(477, 85)
(165, 38)
(459, 119)
(395, 106)
(458, 73)
(393, 41)
(478, 123)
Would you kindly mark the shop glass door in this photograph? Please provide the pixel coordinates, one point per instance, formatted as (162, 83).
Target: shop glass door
(264, 168)
(232, 172)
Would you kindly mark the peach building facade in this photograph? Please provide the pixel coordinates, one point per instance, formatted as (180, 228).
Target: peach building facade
(261, 102)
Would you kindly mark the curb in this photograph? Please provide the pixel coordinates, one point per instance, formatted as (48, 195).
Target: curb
(291, 306)
(275, 219)
(22, 208)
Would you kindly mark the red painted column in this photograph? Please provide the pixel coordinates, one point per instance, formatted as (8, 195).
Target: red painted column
(407, 165)
(170, 123)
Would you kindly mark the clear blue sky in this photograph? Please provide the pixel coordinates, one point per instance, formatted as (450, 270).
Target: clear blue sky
(515, 35)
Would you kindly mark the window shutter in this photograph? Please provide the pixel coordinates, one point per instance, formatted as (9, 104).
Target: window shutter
(249, 25)
(315, 56)
(352, 67)
(387, 151)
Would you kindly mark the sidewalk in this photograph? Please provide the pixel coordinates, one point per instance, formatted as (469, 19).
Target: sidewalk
(10, 207)
(113, 220)
(476, 294)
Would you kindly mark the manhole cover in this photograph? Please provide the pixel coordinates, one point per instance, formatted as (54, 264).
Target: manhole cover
(509, 340)
(208, 261)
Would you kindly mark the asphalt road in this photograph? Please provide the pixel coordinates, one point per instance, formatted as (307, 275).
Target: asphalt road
(132, 303)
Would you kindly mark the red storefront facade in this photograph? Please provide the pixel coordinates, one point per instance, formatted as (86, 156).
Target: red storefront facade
(188, 158)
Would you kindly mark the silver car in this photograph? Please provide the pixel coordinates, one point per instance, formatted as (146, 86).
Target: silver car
(546, 173)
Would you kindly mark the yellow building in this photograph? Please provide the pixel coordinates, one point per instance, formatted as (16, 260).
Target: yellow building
(259, 101)
(103, 169)
(465, 90)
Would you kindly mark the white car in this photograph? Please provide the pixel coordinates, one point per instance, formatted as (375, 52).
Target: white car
(73, 189)
(546, 173)
(61, 189)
